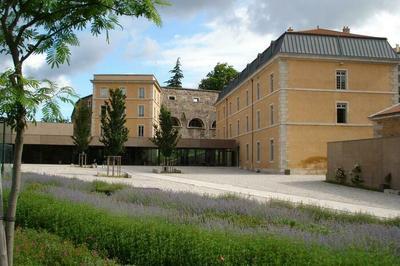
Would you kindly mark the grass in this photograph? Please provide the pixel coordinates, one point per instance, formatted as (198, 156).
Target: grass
(42, 248)
(134, 224)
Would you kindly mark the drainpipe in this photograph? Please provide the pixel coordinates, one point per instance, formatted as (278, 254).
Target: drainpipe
(252, 126)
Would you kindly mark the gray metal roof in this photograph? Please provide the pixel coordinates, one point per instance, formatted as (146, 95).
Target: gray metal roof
(317, 45)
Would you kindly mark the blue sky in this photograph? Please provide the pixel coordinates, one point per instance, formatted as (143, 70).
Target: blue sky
(203, 33)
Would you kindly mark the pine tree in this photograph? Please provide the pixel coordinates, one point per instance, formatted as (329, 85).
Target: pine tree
(114, 131)
(81, 119)
(166, 136)
(176, 80)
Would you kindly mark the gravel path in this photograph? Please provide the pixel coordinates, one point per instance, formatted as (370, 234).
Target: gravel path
(308, 189)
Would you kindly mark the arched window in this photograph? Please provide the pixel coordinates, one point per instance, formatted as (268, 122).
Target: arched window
(175, 122)
(214, 125)
(196, 123)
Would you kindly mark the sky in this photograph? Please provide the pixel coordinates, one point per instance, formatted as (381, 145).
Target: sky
(204, 32)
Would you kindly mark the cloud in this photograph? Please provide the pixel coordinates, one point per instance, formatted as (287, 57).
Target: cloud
(276, 16)
(187, 8)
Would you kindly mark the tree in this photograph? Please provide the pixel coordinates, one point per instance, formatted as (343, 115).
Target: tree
(114, 132)
(176, 80)
(44, 95)
(82, 120)
(219, 77)
(49, 27)
(166, 136)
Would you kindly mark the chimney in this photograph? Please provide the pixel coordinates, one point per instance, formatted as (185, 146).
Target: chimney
(397, 49)
(290, 29)
(346, 29)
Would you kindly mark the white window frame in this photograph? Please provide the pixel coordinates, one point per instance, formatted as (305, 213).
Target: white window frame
(143, 96)
(271, 82)
(271, 114)
(347, 112)
(258, 119)
(139, 108)
(138, 131)
(258, 151)
(346, 81)
(271, 150)
(104, 95)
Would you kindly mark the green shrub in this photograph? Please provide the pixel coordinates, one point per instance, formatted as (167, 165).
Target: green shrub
(156, 242)
(356, 178)
(340, 175)
(106, 188)
(41, 248)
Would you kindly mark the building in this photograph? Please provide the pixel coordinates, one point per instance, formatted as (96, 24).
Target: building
(387, 122)
(306, 89)
(192, 110)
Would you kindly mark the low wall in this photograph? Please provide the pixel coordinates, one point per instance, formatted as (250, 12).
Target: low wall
(377, 157)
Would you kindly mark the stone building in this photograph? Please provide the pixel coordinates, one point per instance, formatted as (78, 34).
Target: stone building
(193, 111)
(387, 122)
(306, 89)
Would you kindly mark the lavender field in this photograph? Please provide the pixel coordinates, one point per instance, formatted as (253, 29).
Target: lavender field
(228, 213)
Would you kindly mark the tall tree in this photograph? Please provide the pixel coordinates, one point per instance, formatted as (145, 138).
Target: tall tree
(114, 131)
(220, 76)
(177, 75)
(82, 121)
(49, 27)
(166, 136)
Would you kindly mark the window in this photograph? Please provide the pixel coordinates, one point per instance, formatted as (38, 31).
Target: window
(271, 82)
(196, 123)
(171, 97)
(237, 103)
(341, 113)
(258, 119)
(258, 91)
(271, 150)
(141, 111)
(214, 125)
(104, 92)
(140, 131)
(224, 129)
(103, 111)
(247, 151)
(123, 89)
(230, 108)
(230, 130)
(175, 122)
(196, 99)
(223, 110)
(238, 127)
(271, 114)
(341, 79)
(247, 98)
(142, 92)
(258, 151)
(247, 124)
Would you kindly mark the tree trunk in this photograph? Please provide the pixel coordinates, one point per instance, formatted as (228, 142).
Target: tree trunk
(3, 242)
(15, 187)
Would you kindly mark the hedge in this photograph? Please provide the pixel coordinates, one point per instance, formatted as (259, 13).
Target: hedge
(155, 242)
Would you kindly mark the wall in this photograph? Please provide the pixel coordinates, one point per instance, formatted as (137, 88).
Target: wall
(185, 109)
(387, 127)
(377, 158)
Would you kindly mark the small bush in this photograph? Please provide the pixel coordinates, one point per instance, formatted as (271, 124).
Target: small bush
(42, 248)
(340, 175)
(156, 242)
(106, 188)
(356, 178)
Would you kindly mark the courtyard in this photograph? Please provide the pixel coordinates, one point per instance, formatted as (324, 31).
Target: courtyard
(306, 189)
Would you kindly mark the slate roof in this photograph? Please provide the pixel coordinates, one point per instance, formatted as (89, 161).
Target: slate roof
(318, 42)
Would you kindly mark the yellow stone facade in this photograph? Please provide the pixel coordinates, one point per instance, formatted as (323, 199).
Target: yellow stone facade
(295, 113)
(142, 92)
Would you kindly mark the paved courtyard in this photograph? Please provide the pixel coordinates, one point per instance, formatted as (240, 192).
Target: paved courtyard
(308, 189)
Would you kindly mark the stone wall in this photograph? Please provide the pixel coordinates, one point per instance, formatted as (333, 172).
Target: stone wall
(387, 127)
(377, 158)
(188, 104)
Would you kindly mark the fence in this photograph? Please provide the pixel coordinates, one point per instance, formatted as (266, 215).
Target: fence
(6, 148)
